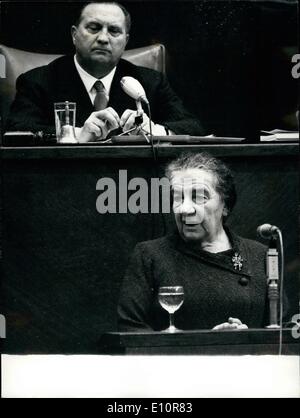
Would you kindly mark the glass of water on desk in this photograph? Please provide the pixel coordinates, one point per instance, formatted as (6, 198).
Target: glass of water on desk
(171, 298)
(65, 117)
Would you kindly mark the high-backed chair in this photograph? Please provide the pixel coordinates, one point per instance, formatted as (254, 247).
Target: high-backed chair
(14, 62)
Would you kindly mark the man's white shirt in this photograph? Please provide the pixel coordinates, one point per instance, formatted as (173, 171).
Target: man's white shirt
(89, 80)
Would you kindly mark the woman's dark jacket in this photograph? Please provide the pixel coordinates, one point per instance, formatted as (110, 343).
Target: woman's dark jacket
(214, 289)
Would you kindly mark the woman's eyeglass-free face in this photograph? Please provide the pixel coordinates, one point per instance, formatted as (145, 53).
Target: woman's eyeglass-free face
(197, 206)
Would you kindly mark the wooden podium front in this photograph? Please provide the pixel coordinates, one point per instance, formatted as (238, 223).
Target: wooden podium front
(206, 342)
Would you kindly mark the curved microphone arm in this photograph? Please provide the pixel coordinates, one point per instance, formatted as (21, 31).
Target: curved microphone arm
(151, 135)
(275, 272)
(281, 252)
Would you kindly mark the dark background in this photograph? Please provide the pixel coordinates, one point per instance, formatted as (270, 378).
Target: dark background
(228, 60)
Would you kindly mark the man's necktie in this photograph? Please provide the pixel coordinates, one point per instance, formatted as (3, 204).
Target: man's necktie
(100, 101)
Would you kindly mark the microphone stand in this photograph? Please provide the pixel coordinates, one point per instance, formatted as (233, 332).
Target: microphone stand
(138, 123)
(273, 283)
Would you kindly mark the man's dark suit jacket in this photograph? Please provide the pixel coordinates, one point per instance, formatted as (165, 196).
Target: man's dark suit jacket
(40, 88)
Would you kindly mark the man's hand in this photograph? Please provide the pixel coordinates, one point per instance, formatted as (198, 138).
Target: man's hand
(127, 122)
(233, 323)
(98, 125)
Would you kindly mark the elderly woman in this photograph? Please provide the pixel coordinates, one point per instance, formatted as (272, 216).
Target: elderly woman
(222, 274)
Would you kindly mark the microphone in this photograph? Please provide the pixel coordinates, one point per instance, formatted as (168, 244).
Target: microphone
(134, 89)
(274, 273)
(267, 231)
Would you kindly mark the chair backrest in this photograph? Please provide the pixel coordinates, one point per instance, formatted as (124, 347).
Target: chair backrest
(14, 62)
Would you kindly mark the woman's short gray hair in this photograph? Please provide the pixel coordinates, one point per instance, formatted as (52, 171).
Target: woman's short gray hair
(225, 181)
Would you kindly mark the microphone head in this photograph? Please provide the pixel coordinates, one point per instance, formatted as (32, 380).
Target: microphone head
(267, 230)
(133, 88)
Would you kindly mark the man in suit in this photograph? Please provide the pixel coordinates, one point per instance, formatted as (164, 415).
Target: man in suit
(91, 78)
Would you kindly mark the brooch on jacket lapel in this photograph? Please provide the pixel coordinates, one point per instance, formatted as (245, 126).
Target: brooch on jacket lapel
(237, 261)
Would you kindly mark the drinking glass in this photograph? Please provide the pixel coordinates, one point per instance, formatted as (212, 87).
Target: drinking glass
(65, 117)
(171, 298)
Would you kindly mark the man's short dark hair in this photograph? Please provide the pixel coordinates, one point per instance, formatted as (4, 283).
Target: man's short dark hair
(124, 10)
(204, 161)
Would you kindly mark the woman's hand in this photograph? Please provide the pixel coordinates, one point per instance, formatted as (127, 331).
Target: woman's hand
(233, 323)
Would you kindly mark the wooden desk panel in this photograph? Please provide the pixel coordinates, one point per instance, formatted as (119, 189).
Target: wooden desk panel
(82, 151)
(254, 341)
